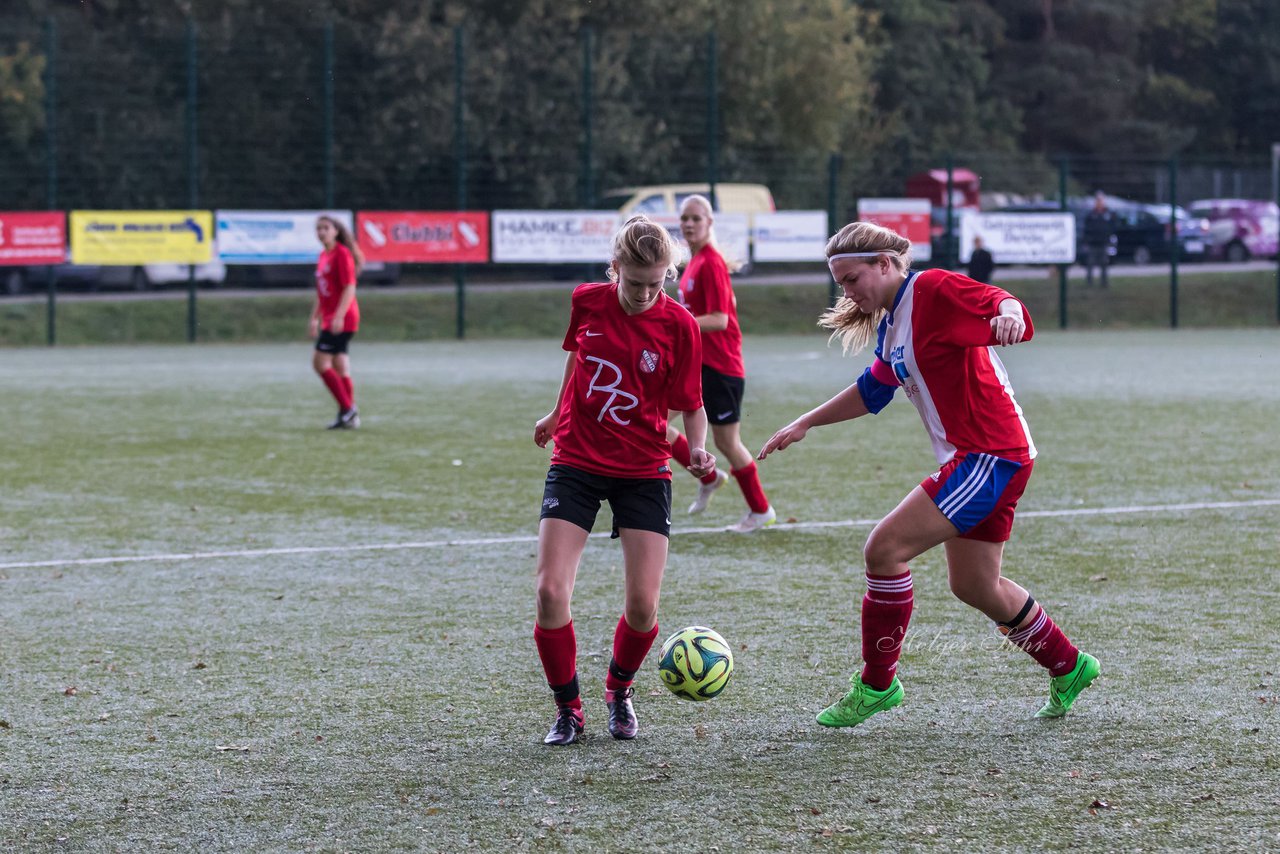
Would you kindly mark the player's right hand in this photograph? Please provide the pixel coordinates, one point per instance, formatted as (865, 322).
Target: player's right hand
(780, 441)
(313, 328)
(544, 428)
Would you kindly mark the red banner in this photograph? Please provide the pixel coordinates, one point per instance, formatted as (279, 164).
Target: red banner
(433, 237)
(33, 239)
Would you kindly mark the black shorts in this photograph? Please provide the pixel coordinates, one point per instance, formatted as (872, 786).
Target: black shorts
(333, 344)
(722, 396)
(575, 496)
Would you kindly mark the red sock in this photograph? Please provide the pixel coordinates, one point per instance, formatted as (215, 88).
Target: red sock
(558, 649)
(749, 482)
(350, 387)
(886, 612)
(336, 388)
(1044, 641)
(680, 453)
(629, 649)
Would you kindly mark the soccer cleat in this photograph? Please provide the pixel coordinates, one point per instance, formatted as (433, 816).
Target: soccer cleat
(752, 522)
(622, 717)
(861, 703)
(705, 491)
(350, 419)
(567, 728)
(1064, 689)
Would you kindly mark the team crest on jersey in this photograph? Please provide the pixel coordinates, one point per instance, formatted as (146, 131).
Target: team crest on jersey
(648, 361)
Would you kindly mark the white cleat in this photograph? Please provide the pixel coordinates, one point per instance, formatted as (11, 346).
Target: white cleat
(705, 491)
(752, 522)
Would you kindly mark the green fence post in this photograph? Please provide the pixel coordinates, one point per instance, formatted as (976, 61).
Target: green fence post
(587, 197)
(328, 115)
(193, 182)
(460, 168)
(947, 259)
(833, 211)
(713, 120)
(1062, 268)
(51, 166)
(1173, 246)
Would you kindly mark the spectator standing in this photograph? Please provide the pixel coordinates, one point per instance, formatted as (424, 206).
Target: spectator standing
(981, 264)
(1099, 232)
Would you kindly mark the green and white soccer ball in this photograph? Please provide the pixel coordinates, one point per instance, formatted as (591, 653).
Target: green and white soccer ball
(695, 663)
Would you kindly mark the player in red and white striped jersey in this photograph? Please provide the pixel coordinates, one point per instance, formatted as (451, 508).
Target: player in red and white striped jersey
(936, 334)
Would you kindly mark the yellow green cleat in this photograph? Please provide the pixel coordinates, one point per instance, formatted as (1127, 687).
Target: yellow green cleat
(1064, 689)
(861, 703)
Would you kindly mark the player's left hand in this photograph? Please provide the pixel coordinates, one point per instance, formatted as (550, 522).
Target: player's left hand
(701, 463)
(336, 326)
(1008, 329)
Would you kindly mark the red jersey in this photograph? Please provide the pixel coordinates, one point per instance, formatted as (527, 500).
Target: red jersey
(335, 270)
(629, 371)
(705, 289)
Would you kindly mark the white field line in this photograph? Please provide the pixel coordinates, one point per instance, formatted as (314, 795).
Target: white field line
(532, 538)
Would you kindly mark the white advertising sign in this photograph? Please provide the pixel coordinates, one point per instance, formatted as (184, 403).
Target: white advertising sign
(271, 237)
(1021, 238)
(552, 237)
(790, 236)
(732, 235)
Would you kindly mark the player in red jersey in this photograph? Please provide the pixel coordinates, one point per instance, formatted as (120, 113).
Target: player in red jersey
(335, 316)
(706, 291)
(935, 334)
(634, 355)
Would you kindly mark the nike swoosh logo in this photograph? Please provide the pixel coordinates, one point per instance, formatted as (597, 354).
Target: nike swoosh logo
(724, 415)
(591, 334)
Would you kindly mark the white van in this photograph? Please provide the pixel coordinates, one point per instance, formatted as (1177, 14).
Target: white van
(667, 198)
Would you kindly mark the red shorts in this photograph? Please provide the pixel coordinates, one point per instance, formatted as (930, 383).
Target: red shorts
(978, 493)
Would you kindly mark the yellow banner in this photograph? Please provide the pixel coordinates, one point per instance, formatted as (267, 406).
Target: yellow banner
(141, 237)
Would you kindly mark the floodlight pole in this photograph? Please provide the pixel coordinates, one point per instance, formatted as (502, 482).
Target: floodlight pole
(460, 166)
(193, 184)
(1062, 268)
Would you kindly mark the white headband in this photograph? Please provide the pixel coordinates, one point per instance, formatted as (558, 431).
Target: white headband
(861, 255)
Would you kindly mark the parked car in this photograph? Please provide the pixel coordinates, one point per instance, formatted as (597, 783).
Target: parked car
(17, 280)
(1142, 230)
(667, 198)
(1195, 240)
(1240, 228)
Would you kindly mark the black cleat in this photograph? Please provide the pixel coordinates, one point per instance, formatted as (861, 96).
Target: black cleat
(567, 728)
(622, 717)
(348, 419)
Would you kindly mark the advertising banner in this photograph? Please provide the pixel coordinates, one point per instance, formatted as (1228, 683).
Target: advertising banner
(733, 235)
(790, 236)
(424, 236)
(272, 237)
(1021, 238)
(34, 239)
(552, 237)
(908, 217)
(126, 238)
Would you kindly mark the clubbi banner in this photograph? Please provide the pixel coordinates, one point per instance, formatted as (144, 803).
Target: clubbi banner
(1021, 238)
(459, 237)
(790, 236)
(552, 237)
(908, 217)
(34, 239)
(126, 238)
(272, 237)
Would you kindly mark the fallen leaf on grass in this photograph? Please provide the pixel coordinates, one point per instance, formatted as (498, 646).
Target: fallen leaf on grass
(199, 665)
(815, 811)
(1100, 805)
(4, 724)
(699, 731)
(231, 748)
(994, 771)
(432, 810)
(791, 520)
(873, 800)
(70, 691)
(1073, 774)
(1097, 578)
(1203, 798)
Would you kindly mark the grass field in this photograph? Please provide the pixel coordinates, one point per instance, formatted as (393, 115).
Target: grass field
(225, 628)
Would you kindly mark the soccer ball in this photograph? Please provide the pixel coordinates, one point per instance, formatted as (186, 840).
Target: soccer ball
(695, 663)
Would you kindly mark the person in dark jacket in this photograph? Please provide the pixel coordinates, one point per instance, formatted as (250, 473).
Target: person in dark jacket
(981, 264)
(1099, 233)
